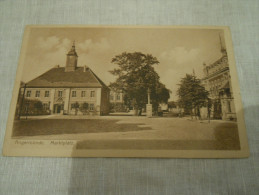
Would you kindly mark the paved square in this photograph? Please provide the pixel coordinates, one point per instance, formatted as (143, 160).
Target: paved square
(130, 132)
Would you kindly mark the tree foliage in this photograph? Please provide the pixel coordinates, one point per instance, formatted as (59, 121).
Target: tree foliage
(135, 75)
(84, 108)
(76, 106)
(192, 95)
(172, 104)
(31, 107)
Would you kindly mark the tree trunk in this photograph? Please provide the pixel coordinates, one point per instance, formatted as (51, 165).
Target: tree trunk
(135, 112)
(198, 113)
(140, 112)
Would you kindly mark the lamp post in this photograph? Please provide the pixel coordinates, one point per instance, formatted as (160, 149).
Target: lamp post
(27, 104)
(20, 111)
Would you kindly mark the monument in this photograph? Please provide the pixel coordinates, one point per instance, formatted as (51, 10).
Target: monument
(148, 105)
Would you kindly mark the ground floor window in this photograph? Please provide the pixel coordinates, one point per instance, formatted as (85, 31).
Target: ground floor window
(45, 106)
(75, 105)
(91, 107)
(72, 106)
(229, 106)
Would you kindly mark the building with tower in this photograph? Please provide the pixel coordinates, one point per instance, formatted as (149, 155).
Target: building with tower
(217, 82)
(68, 90)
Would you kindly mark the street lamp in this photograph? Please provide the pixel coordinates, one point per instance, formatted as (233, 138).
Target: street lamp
(27, 109)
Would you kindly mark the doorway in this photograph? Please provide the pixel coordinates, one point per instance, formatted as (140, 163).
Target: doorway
(58, 108)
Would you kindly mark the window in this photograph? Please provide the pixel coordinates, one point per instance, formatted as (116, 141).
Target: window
(118, 97)
(60, 93)
(46, 106)
(73, 93)
(82, 93)
(111, 97)
(229, 106)
(92, 94)
(28, 94)
(37, 94)
(46, 93)
(91, 107)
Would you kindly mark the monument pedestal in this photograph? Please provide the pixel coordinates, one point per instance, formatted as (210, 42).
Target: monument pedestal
(149, 110)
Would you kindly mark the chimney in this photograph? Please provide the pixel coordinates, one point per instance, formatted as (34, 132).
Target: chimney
(85, 68)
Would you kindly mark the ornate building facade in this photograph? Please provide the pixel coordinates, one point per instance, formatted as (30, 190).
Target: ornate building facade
(69, 90)
(217, 81)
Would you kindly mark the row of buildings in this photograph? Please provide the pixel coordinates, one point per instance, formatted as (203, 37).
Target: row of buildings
(76, 90)
(217, 81)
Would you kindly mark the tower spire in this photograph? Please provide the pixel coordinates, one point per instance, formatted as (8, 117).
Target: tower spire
(222, 48)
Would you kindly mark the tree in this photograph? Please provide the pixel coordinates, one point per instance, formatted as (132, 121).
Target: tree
(192, 95)
(135, 76)
(76, 106)
(84, 108)
(38, 107)
(32, 107)
(209, 106)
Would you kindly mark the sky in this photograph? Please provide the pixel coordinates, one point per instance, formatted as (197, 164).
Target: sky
(179, 51)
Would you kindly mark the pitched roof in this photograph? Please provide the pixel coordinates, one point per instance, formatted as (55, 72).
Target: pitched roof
(57, 77)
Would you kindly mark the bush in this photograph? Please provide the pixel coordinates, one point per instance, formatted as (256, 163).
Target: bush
(84, 108)
(118, 107)
(33, 107)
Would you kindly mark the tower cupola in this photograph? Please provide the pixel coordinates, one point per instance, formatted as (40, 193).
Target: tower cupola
(72, 56)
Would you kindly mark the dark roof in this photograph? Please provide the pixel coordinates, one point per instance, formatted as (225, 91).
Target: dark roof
(57, 77)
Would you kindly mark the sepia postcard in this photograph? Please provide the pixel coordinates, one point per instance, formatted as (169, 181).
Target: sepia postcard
(126, 91)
